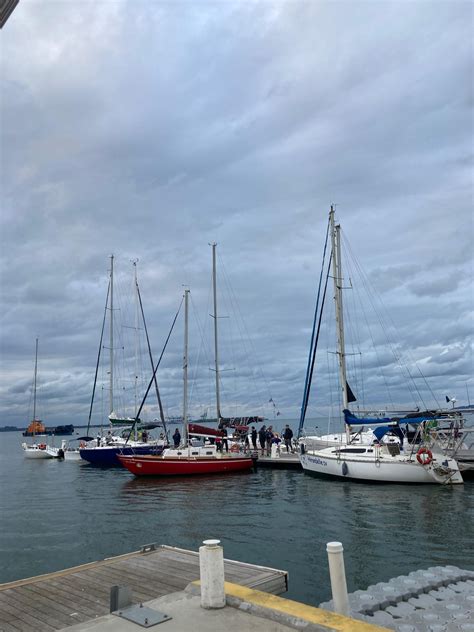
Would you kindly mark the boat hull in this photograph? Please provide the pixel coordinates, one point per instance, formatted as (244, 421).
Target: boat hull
(107, 456)
(185, 466)
(35, 452)
(385, 469)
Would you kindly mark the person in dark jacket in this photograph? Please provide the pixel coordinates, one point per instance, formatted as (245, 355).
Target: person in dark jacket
(225, 442)
(176, 438)
(269, 438)
(262, 438)
(253, 436)
(288, 436)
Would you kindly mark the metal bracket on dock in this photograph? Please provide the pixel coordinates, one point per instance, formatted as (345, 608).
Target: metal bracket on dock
(142, 615)
(146, 548)
(120, 598)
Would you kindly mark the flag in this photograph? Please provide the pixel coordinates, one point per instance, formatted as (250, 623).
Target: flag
(278, 413)
(447, 399)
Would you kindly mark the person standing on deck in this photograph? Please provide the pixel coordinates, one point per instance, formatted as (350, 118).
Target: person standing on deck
(262, 438)
(288, 436)
(253, 436)
(225, 442)
(176, 438)
(269, 439)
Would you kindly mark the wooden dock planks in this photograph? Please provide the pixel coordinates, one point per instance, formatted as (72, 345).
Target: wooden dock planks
(58, 600)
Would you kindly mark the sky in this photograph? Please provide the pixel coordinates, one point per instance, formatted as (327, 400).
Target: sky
(149, 130)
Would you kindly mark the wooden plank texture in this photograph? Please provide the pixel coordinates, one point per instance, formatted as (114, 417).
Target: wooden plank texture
(58, 600)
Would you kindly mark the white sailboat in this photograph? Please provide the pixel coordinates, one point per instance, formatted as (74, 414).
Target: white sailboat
(36, 449)
(364, 455)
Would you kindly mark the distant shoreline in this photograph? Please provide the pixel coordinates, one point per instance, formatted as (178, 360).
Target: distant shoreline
(15, 429)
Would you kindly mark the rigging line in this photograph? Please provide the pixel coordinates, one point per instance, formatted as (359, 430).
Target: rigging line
(202, 348)
(118, 315)
(349, 260)
(154, 374)
(247, 343)
(305, 394)
(98, 360)
(369, 328)
(381, 318)
(304, 405)
(231, 305)
(356, 357)
(162, 415)
(403, 364)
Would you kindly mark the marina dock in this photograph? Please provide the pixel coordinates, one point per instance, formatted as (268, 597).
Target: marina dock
(161, 585)
(282, 461)
(80, 594)
(438, 598)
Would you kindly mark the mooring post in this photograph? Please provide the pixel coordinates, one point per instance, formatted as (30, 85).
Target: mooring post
(337, 574)
(211, 566)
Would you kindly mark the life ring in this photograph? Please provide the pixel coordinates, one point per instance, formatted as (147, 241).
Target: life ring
(234, 448)
(424, 456)
(42, 446)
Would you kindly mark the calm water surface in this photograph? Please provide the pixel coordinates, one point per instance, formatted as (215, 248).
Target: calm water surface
(58, 514)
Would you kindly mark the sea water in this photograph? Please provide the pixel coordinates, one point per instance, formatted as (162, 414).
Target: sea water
(57, 514)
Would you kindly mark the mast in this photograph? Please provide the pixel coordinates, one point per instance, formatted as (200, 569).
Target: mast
(111, 393)
(34, 386)
(216, 351)
(134, 262)
(160, 404)
(337, 277)
(185, 370)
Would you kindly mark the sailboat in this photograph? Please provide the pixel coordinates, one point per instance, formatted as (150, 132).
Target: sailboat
(104, 450)
(186, 459)
(364, 454)
(36, 450)
(239, 424)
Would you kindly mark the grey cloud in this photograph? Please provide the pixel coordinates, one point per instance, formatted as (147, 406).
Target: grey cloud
(149, 131)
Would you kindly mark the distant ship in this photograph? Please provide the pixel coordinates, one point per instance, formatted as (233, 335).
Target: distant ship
(38, 428)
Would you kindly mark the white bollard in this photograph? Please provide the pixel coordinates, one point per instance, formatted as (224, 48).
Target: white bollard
(337, 574)
(211, 565)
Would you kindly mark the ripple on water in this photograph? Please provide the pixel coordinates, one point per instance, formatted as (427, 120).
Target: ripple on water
(56, 515)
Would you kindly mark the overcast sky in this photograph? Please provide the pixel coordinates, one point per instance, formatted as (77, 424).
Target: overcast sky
(148, 129)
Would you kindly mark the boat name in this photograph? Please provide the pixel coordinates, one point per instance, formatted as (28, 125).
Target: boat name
(317, 461)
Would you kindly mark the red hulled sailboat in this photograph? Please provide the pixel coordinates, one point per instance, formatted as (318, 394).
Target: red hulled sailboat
(188, 459)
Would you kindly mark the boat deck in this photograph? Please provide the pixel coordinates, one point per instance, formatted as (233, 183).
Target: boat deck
(76, 595)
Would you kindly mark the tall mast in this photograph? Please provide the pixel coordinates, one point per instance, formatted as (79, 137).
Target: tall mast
(337, 277)
(34, 386)
(111, 405)
(134, 262)
(185, 369)
(216, 351)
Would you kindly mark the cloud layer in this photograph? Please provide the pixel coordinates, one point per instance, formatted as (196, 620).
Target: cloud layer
(148, 130)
